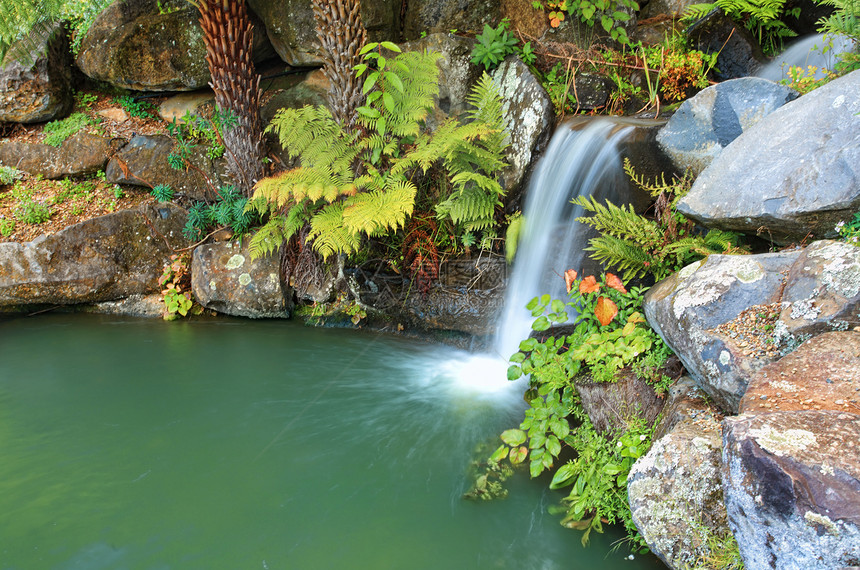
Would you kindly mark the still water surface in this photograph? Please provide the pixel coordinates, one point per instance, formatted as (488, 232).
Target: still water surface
(235, 444)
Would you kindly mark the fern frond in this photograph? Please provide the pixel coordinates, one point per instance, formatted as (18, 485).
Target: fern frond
(488, 110)
(624, 256)
(268, 238)
(373, 213)
(328, 234)
(620, 222)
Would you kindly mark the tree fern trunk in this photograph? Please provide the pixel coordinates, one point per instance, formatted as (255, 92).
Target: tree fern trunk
(228, 36)
(342, 35)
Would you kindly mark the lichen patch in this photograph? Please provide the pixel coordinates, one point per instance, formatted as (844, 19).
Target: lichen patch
(782, 443)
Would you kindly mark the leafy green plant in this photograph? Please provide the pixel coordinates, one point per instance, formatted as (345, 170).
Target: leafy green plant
(58, 131)
(9, 175)
(527, 54)
(764, 18)
(723, 553)
(850, 230)
(135, 107)
(229, 210)
(360, 182)
(844, 20)
(494, 45)
(176, 295)
(86, 100)
(557, 82)
(7, 227)
(162, 192)
(637, 246)
(611, 14)
(192, 130)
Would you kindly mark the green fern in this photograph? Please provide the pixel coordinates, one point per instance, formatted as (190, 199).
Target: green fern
(360, 182)
(845, 19)
(761, 17)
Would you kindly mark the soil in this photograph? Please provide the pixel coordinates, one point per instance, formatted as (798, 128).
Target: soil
(72, 201)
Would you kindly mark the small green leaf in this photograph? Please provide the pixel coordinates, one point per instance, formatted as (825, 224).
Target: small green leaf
(391, 46)
(541, 324)
(528, 345)
(370, 82)
(500, 453)
(553, 445)
(367, 48)
(360, 69)
(395, 80)
(518, 455)
(388, 101)
(535, 467)
(606, 22)
(563, 477)
(514, 372)
(517, 357)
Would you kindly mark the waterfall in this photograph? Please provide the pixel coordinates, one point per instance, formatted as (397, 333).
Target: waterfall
(805, 52)
(580, 161)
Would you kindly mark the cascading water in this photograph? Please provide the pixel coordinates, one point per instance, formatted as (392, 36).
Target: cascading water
(580, 161)
(806, 52)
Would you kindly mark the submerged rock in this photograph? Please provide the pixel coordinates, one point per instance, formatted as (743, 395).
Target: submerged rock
(705, 124)
(225, 279)
(674, 490)
(36, 77)
(792, 175)
(105, 258)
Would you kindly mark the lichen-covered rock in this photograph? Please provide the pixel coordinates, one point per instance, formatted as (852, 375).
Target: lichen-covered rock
(83, 153)
(674, 490)
(105, 258)
(793, 174)
(685, 307)
(705, 124)
(36, 77)
(225, 279)
(291, 27)
(529, 115)
(792, 488)
(143, 162)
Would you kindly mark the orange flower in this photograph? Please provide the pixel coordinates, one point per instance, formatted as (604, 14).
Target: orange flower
(588, 285)
(614, 282)
(605, 310)
(569, 278)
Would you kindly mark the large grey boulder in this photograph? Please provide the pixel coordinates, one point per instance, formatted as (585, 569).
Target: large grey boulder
(143, 162)
(674, 490)
(529, 115)
(792, 483)
(291, 27)
(706, 123)
(225, 279)
(36, 77)
(435, 16)
(728, 316)
(102, 259)
(793, 174)
(84, 153)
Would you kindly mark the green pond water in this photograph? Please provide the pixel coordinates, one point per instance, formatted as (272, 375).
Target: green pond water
(235, 444)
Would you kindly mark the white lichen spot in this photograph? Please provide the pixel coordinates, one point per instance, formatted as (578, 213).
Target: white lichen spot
(823, 520)
(212, 285)
(826, 469)
(839, 101)
(688, 270)
(783, 386)
(805, 309)
(725, 357)
(235, 262)
(781, 443)
(244, 279)
(841, 273)
(273, 280)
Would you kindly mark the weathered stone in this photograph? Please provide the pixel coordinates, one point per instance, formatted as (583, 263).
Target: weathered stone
(176, 107)
(703, 125)
(105, 258)
(225, 279)
(674, 490)
(529, 115)
(435, 16)
(143, 162)
(823, 373)
(793, 174)
(739, 52)
(80, 154)
(673, 8)
(147, 45)
(792, 488)
(137, 305)
(591, 91)
(36, 77)
(685, 307)
(612, 406)
(291, 27)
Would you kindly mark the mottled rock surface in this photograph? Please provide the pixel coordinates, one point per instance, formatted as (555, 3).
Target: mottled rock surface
(674, 490)
(612, 406)
(36, 77)
(792, 488)
(739, 53)
(706, 123)
(529, 115)
(435, 16)
(790, 176)
(225, 279)
(143, 162)
(700, 311)
(105, 258)
(83, 153)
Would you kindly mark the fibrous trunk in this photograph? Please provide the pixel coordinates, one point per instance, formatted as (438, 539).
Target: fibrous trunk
(228, 36)
(342, 35)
